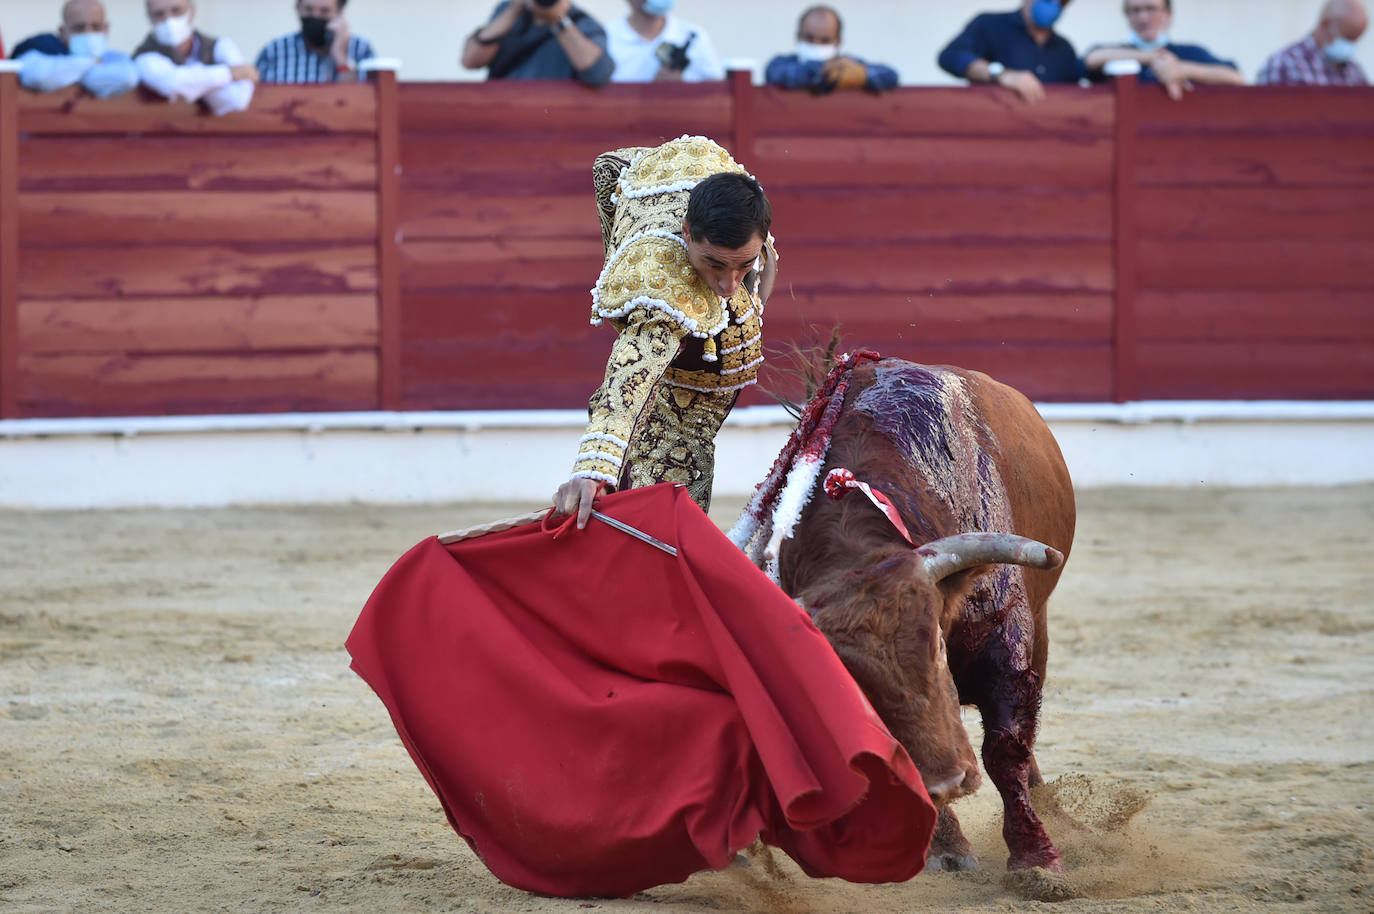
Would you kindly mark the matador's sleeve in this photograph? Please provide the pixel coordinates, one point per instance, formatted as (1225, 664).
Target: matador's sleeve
(605, 177)
(640, 356)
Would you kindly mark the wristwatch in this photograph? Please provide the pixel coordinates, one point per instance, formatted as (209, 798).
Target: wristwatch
(560, 25)
(995, 69)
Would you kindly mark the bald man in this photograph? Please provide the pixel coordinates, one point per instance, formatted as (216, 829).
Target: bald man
(77, 53)
(1326, 56)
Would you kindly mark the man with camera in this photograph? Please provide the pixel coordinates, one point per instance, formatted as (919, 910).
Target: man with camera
(540, 39)
(650, 45)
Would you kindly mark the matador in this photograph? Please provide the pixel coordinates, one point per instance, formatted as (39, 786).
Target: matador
(689, 265)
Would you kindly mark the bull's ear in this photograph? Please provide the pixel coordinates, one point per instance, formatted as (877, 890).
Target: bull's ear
(952, 554)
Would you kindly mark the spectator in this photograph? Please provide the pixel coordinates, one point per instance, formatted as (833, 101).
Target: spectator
(540, 39)
(649, 45)
(1019, 50)
(78, 53)
(178, 62)
(1325, 57)
(1175, 66)
(817, 63)
(323, 51)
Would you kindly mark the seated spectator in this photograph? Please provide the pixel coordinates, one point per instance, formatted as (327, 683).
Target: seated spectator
(323, 51)
(649, 45)
(817, 63)
(78, 53)
(1019, 50)
(1175, 66)
(178, 62)
(540, 39)
(1325, 57)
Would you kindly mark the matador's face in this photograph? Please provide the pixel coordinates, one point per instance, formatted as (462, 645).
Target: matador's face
(722, 268)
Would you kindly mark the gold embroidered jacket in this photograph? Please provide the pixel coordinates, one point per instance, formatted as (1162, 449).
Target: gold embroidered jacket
(682, 354)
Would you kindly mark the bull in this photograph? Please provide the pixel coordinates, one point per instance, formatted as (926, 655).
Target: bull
(934, 596)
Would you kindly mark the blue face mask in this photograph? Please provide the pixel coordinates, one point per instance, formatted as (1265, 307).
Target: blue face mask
(658, 7)
(87, 44)
(1045, 13)
(1340, 50)
(1160, 41)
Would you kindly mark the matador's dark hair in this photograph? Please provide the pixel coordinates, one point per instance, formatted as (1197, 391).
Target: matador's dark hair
(728, 210)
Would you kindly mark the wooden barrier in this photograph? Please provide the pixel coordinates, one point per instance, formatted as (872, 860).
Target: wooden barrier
(431, 246)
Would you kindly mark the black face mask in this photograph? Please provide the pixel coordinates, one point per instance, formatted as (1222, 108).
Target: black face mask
(313, 28)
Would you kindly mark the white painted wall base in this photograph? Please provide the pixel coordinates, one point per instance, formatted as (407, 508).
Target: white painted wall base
(211, 461)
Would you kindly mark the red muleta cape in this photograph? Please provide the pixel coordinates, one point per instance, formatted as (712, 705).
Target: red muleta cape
(598, 717)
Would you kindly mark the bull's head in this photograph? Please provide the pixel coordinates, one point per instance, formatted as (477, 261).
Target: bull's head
(888, 621)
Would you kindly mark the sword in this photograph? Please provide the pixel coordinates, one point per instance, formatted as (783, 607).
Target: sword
(636, 533)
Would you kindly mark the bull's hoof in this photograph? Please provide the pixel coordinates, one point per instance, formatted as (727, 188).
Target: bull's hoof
(1040, 884)
(952, 862)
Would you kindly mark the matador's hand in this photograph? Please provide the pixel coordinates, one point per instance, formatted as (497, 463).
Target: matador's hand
(576, 496)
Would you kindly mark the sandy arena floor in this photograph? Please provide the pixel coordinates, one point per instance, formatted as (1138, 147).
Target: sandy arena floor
(179, 730)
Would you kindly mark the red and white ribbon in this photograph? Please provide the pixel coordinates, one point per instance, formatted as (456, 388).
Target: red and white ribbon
(839, 482)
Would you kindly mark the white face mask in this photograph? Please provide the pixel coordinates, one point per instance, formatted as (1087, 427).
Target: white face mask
(816, 52)
(1160, 41)
(172, 31)
(88, 44)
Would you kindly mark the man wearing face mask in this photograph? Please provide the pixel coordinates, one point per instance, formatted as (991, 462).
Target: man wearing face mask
(78, 53)
(652, 45)
(323, 51)
(180, 63)
(817, 63)
(1019, 51)
(540, 39)
(689, 265)
(1325, 57)
(1176, 67)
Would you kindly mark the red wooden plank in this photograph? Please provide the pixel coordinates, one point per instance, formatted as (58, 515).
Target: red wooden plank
(311, 109)
(538, 264)
(239, 163)
(944, 267)
(9, 245)
(622, 113)
(117, 384)
(388, 239)
(1125, 368)
(1256, 160)
(431, 214)
(151, 270)
(1272, 110)
(1297, 263)
(975, 215)
(880, 160)
(1059, 373)
(742, 114)
(498, 163)
(963, 111)
(1310, 213)
(198, 324)
(158, 217)
(989, 319)
(1280, 369)
(444, 317)
(1226, 315)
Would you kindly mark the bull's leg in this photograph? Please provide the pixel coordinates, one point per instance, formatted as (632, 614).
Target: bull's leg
(1009, 701)
(950, 850)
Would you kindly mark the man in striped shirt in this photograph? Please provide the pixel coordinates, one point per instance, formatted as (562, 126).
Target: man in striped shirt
(323, 51)
(1323, 58)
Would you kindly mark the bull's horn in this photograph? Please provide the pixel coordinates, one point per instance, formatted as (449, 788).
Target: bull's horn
(952, 554)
